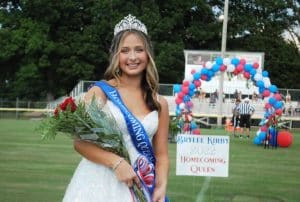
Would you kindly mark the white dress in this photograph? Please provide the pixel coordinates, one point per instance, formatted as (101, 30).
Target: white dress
(93, 182)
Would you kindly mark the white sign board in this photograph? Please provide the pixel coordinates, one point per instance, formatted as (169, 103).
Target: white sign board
(202, 155)
(195, 60)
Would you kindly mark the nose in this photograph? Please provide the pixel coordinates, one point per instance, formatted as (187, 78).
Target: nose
(132, 55)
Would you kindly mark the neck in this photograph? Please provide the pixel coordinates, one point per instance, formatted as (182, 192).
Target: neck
(130, 83)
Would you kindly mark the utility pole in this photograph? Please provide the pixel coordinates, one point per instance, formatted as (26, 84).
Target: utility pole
(223, 50)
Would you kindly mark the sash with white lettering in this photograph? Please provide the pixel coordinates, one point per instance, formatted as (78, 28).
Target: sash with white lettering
(144, 165)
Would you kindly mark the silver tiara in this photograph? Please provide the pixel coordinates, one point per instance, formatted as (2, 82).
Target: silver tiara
(128, 23)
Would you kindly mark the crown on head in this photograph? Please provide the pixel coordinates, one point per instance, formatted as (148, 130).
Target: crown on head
(130, 22)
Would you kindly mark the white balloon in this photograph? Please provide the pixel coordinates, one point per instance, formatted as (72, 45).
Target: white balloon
(227, 61)
(267, 82)
(208, 64)
(257, 133)
(258, 77)
(181, 105)
(230, 68)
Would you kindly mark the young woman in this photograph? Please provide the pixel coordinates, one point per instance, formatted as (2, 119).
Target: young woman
(130, 93)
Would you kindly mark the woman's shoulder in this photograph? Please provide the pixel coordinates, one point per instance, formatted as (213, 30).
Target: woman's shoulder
(163, 101)
(94, 91)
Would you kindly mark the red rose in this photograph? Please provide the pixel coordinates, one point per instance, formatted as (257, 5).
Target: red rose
(68, 101)
(56, 112)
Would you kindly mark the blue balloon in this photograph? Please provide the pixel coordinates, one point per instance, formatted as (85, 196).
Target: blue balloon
(204, 71)
(260, 84)
(192, 86)
(210, 73)
(265, 74)
(253, 72)
(261, 90)
(177, 88)
(235, 61)
(278, 105)
(273, 88)
(262, 136)
(257, 141)
(193, 125)
(272, 100)
(248, 67)
(197, 76)
(267, 115)
(186, 98)
(219, 60)
(215, 67)
(191, 93)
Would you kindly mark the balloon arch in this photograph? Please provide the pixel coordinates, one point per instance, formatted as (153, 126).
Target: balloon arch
(273, 107)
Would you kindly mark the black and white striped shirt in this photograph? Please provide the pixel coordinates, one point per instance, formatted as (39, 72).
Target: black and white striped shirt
(245, 108)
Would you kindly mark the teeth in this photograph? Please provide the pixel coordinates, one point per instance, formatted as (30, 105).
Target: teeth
(132, 65)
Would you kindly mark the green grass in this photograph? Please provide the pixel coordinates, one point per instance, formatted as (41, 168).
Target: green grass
(32, 170)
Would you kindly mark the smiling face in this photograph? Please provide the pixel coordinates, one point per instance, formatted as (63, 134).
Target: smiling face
(133, 58)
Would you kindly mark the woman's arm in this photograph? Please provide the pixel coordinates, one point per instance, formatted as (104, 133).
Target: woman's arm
(160, 146)
(89, 150)
(94, 153)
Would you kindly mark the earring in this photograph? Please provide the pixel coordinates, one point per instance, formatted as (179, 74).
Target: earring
(117, 71)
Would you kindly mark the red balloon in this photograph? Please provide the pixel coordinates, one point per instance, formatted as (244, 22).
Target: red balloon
(277, 96)
(196, 131)
(268, 106)
(239, 67)
(193, 71)
(242, 61)
(255, 65)
(197, 83)
(236, 72)
(180, 95)
(178, 101)
(185, 89)
(278, 112)
(247, 75)
(223, 68)
(284, 138)
(203, 77)
(186, 83)
(264, 128)
(266, 93)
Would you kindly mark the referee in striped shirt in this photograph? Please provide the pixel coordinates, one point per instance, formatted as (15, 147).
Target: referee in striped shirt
(246, 110)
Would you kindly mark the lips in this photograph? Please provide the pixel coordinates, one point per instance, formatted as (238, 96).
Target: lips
(133, 65)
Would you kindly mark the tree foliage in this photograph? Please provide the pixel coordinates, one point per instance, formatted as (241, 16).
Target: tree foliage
(47, 46)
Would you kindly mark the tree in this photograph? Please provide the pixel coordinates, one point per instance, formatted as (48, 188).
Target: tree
(47, 46)
(53, 51)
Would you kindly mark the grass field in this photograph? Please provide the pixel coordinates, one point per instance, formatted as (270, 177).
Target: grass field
(32, 170)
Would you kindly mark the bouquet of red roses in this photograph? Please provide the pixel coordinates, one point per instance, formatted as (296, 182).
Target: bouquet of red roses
(89, 122)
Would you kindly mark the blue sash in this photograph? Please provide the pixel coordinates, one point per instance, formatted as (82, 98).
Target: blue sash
(138, 135)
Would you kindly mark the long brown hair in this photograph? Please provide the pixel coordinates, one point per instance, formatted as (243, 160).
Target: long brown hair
(150, 80)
